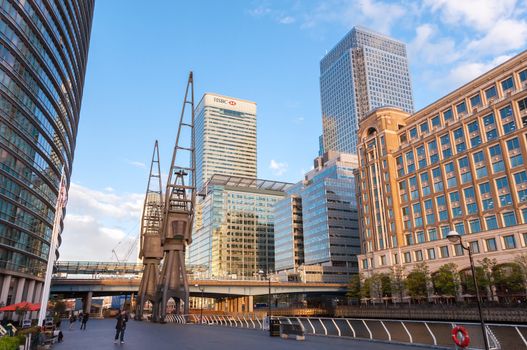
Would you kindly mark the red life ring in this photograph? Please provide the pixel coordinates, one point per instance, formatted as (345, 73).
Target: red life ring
(460, 336)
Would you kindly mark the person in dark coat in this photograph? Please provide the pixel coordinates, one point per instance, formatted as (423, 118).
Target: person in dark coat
(85, 318)
(120, 327)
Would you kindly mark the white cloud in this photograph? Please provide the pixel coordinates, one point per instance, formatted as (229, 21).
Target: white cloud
(426, 48)
(137, 164)
(505, 35)
(277, 167)
(466, 71)
(287, 20)
(480, 15)
(97, 221)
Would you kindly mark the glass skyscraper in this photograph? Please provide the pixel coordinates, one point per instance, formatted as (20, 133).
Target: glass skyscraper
(316, 225)
(233, 233)
(225, 138)
(43, 57)
(365, 70)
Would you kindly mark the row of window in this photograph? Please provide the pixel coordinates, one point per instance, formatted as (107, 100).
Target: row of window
(475, 101)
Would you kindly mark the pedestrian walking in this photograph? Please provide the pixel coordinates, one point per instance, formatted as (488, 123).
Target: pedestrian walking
(72, 321)
(120, 327)
(85, 318)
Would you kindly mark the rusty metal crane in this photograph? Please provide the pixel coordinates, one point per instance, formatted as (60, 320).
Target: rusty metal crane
(150, 242)
(180, 198)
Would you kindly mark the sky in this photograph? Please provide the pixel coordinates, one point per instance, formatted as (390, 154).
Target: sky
(264, 51)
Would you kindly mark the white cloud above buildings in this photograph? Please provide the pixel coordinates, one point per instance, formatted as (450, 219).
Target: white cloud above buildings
(98, 221)
(278, 168)
(449, 42)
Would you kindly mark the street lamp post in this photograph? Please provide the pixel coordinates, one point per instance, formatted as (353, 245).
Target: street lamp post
(201, 303)
(455, 237)
(268, 294)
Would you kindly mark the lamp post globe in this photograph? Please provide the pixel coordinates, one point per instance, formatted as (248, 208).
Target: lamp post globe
(453, 237)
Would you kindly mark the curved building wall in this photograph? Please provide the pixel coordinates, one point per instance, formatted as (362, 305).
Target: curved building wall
(43, 57)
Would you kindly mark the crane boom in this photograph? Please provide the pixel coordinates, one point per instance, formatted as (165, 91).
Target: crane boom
(180, 198)
(150, 236)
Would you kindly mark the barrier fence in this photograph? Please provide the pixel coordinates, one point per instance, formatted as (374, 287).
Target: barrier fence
(436, 333)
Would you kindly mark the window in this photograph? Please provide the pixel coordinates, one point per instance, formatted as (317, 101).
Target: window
(475, 226)
(421, 156)
(472, 208)
(474, 247)
(409, 239)
(502, 184)
(507, 84)
(475, 100)
(424, 128)
(491, 245)
(431, 253)
(421, 237)
(460, 228)
(432, 150)
(491, 92)
(407, 257)
(383, 260)
(418, 255)
(454, 197)
(488, 204)
(413, 133)
(444, 251)
(495, 151)
(435, 121)
(484, 188)
(410, 161)
(509, 124)
(491, 134)
(488, 120)
(440, 201)
(520, 178)
(445, 146)
(523, 75)
(400, 167)
(469, 194)
(522, 105)
(432, 234)
(509, 219)
(491, 222)
(458, 250)
(447, 115)
(365, 263)
(509, 242)
(444, 231)
(461, 108)
(417, 208)
(524, 214)
(459, 136)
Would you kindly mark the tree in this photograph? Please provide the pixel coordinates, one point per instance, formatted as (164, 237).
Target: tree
(446, 280)
(488, 266)
(397, 281)
(354, 287)
(521, 260)
(365, 288)
(386, 285)
(59, 307)
(468, 282)
(508, 279)
(417, 281)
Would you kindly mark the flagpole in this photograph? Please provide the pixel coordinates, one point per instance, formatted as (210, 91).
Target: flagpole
(59, 208)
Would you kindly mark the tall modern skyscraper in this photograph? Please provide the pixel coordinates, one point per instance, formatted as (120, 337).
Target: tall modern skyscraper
(43, 57)
(225, 138)
(365, 70)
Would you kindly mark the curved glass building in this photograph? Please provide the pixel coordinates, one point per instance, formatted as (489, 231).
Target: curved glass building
(43, 57)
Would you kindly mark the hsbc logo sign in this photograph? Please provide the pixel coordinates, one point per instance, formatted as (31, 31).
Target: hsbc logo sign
(224, 101)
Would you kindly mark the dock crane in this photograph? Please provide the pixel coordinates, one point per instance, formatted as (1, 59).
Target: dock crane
(178, 214)
(150, 242)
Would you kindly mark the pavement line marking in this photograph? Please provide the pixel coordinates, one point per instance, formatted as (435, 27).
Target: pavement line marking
(349, 324)
(367, 328)
(521, 335)
(432, 334)
(407, 332)
(386, 329)
(335, 323)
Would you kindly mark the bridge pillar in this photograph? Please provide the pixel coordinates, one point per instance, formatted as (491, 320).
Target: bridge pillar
(87, 302)
(18, 295)
(30, 295)
(5, 290)
(250, 303)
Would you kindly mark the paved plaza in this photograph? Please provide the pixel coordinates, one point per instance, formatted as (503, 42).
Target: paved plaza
(145, 335)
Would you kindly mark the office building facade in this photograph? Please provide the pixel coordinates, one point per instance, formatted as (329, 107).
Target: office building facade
(365, 70)
(316, 225)
(43, 58)
(458, 164)
(225, 138)
(233, 235)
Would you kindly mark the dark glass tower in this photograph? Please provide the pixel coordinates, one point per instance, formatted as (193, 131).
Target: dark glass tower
(43, 57)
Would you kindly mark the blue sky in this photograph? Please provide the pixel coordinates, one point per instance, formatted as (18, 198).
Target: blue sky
(264, 51)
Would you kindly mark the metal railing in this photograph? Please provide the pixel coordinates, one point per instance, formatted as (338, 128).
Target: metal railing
(432, 333)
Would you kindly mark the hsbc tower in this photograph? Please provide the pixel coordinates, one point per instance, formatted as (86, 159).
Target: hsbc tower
(225, 136)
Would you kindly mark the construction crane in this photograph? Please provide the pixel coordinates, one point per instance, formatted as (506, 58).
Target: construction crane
(180, 198)
(150, 243)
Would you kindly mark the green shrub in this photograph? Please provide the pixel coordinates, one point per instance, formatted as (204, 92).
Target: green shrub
(11, 343)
